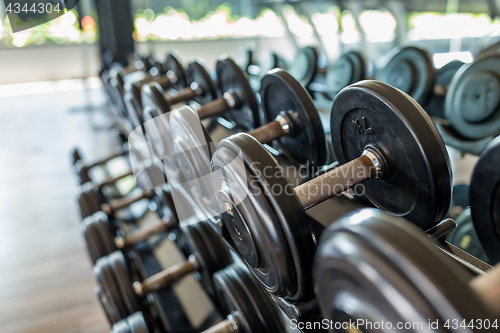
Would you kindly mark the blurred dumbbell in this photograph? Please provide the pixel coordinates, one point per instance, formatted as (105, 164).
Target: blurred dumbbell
(82, 169)
(209, 254)
(175, 78)
(249, 308)
(103, 237)
(369, 264)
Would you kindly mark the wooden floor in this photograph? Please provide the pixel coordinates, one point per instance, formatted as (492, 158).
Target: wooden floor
(46, 282)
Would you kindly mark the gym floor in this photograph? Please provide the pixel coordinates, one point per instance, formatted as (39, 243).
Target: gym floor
(46, 283)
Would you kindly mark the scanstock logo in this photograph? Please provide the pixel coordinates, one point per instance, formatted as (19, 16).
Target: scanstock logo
(26, 14)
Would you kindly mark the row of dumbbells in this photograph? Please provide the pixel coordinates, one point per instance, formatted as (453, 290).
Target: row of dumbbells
(122, 291)
(380, 107)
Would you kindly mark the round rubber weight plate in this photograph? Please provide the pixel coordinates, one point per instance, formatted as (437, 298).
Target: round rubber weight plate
(411, 70)
(472, 104)
(132, 101)
(152, 96)
(122, 275)
(137, 323)
(264, 222)
(109, 290)
(104, 233)
(444, 75)
(197, 73)
(242, 297)
(282, 94)
(417, 185)
(210, 251)
(230, 78)
(484, 198)
(348, 69)
(191, 148)
(370, 265)
(305, 65)
(89, 239)
(172, 64)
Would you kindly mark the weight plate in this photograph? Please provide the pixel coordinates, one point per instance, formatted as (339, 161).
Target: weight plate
(156, 123)
(411, 70)
(121, 327)
(472, 104)
(172, 64)
(465, 237)
(444, 75)
(197, 73)
(244, 299)
(207, 247)
(192, 149)
(122, 275)
(93, 231)
(305, 65)
(281, 94)
(110, 315)
(104, 233)
(348, 69)
(417, 185)
(230, 78)
(264, 222)
(137, 323)
(89, 239)
(376, 267)
(484, 197)
(107, 285)
(132, 101)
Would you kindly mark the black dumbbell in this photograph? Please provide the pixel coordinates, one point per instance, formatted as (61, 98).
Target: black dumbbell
(296, 131)
(383, 141)
(472, 102)
(174, 78)
(102, 236)
(304, 66)
(370, 265)
(249, 308)
(238, 103)
(484, 198)
(348, 69)
(82, 169)
(209, 254)
(411, 70)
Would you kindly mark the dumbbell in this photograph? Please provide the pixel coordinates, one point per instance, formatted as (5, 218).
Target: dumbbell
(249, 307)
(484, 198)
(238, 103)
(411, 70)
(209, 254)
(370, 265)
(135, 323)
(296, 130)
(91, 197)
(304, 66)
(101, 234)
(174, 78)
(348, 69)
(383, 141)
(83, 169)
